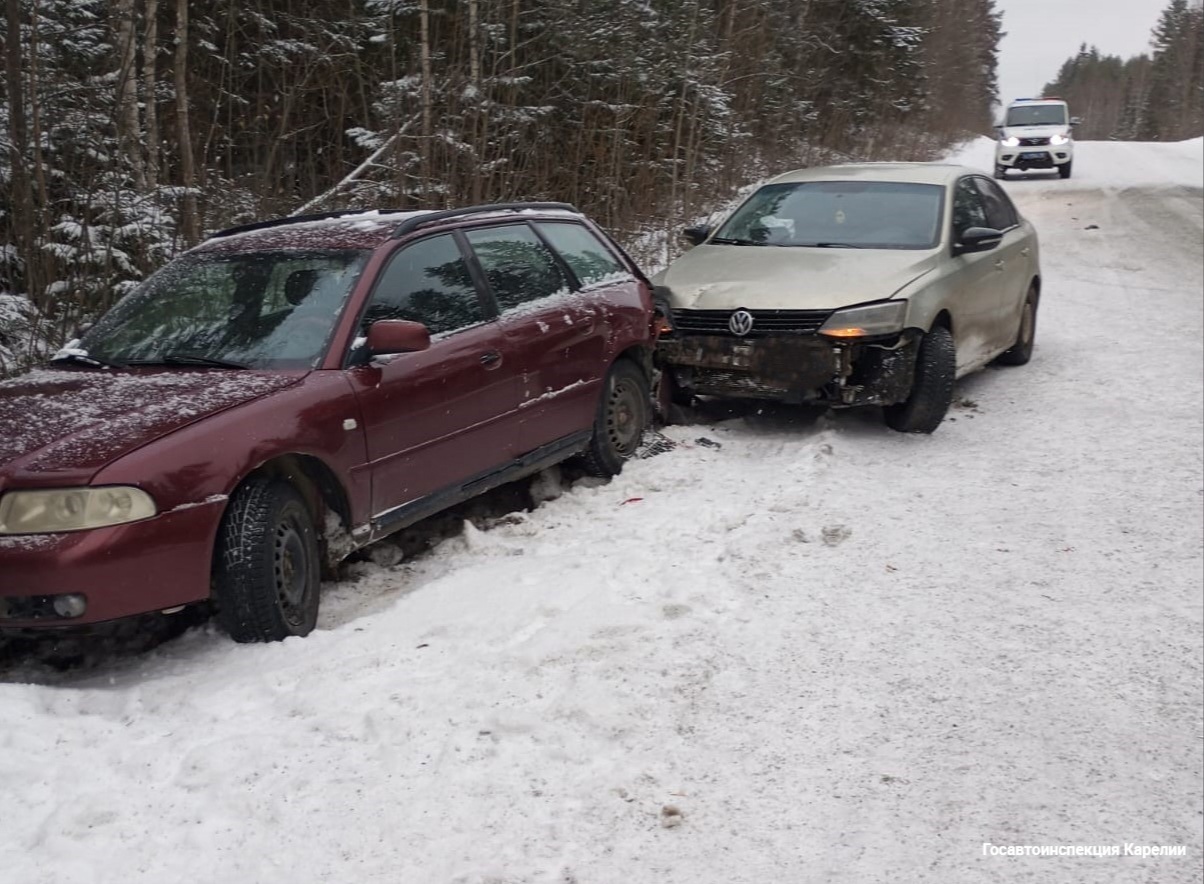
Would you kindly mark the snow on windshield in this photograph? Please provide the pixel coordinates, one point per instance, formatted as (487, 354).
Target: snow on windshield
(271, 309)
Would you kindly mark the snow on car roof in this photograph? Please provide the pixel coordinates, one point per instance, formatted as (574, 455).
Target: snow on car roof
(918, 173)
(364, 230)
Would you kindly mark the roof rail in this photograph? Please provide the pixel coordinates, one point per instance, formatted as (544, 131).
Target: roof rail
(409, 225)
(297, 219)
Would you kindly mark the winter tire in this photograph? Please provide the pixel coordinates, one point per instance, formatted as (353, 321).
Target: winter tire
(267, 568)
(932, 389)
(1064, 170)
(624, 412)
(1022, 351)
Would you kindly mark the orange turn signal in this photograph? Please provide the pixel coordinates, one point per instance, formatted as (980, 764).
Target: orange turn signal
(851, 332)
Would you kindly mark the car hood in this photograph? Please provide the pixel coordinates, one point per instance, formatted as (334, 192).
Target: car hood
(62, 426)
(718, 277)
(1033, 131)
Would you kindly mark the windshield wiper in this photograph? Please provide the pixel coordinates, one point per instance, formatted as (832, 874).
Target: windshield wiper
(729, 241)
(188, 359)
(832, 245)
(80, 357)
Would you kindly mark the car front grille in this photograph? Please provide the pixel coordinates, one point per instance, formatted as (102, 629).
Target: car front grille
(765, 322)
(1033, 142)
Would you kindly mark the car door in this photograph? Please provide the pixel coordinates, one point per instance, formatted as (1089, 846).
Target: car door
(1016, 254)
(437, 418)
(978, 279)
(555, 335)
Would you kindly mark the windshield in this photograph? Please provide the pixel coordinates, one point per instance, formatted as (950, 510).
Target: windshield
(838, 214)
(1036, 115)
(239, 310)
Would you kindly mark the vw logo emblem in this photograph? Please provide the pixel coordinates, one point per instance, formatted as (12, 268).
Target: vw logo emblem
(741, 323)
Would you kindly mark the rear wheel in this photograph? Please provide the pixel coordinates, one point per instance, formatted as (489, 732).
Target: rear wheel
(624, 412)
(1022, 351)
(932, 389)
(267, 567)
(1064, 170)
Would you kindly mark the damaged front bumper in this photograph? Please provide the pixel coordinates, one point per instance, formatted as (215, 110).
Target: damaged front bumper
(793, 368)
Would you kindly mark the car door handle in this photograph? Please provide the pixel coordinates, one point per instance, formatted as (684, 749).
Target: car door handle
(999, 264)
(492, 359)
(1024, 253)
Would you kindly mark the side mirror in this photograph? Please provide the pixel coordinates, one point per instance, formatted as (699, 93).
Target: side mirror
(695, 235)
(389, 336)
(1074, 121)
(977, 239)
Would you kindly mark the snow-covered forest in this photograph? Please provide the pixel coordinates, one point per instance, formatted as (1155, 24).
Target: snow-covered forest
(1154, 97)
(133, 127)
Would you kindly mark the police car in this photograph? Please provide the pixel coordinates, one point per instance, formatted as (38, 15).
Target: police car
(1036, 133)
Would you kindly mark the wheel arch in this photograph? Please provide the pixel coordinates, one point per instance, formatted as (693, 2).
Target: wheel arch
(944, 319)
(320, 487)
(641, 355)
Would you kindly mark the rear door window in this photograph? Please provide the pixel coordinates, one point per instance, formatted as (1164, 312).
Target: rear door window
(427, 282)
(591, 261)
(519, 267)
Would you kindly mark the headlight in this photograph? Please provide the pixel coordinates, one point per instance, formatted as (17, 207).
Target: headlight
(1059, 139)
(1013, 141)
(72, 509)
(662, 312)
(884, 318)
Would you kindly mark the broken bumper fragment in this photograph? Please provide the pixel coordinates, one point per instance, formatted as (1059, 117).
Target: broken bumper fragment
(792, 368)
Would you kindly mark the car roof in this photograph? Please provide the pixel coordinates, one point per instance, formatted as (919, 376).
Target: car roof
(915, 173)
(360, 230)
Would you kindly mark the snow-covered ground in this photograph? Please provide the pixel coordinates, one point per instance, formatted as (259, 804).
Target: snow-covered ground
(817, 651)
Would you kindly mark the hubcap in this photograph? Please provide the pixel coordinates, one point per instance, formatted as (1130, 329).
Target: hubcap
(624, 424)
(291, 569)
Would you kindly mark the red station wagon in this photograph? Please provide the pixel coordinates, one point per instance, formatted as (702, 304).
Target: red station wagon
(290, 391)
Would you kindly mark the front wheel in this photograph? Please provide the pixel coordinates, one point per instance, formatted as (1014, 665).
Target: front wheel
(1001, 172)
(624, 412)
(932, 389)
(1064, 170)
(266, 572)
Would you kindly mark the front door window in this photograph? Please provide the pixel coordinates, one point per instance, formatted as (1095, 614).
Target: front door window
(427, 282)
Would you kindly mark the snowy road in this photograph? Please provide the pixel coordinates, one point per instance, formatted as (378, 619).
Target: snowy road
(841, 654)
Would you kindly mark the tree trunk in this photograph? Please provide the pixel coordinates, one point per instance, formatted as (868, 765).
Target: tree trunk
(475, 135)
(150, 48)
(129, 130)
(189, 223)
(18, 144)
(424, 13)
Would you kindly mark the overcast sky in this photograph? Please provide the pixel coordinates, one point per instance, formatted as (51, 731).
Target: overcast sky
(1041, 34)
